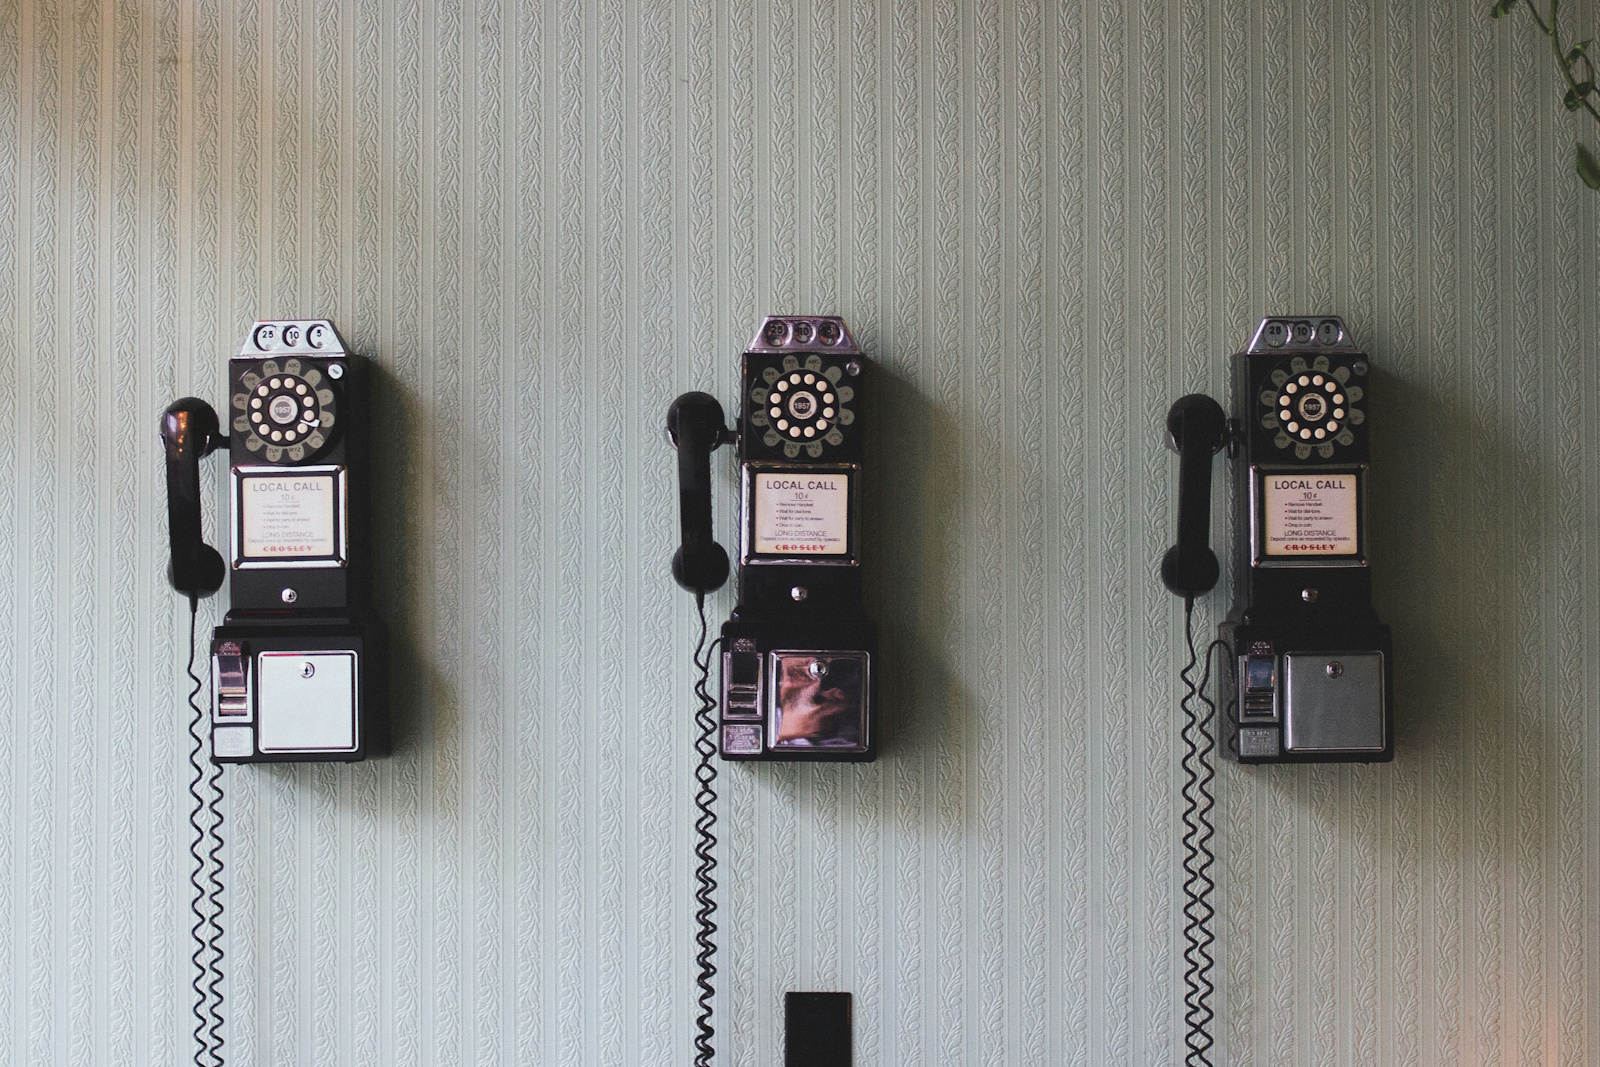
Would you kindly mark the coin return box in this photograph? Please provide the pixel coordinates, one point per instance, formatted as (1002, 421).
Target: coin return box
(306, 702)
(1333, 702)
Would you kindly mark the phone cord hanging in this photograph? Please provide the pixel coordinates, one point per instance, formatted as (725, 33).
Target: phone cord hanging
(206, 819)
(705, 798)
(1198, 884)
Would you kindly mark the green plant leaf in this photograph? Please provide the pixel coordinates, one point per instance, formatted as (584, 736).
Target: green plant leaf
(1588, 167)
(1502, 8)
(1577, 51)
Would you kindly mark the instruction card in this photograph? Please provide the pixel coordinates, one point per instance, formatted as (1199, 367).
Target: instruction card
(287, 517)
(802, 513)
(1311, 515)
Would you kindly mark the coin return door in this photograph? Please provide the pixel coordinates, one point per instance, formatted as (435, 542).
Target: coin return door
(285, 703)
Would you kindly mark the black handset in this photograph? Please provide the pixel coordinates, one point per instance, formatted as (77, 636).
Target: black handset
(694, 427)
(1197, 430)
(1311, 677)
(297, 665)
(798, 653)
(189, 432)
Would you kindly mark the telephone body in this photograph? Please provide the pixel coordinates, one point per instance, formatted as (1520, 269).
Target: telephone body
(298, 664)
(1312, 675)
(799, 654)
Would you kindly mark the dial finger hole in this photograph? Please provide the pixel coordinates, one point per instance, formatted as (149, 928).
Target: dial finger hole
(794, 431)
(261, 390)
(276, 382)
(795, 378)
(1331, 386)
(1290, 388)
(1293, 426)
(1332, 425)
(1316, 379)
(1338, 398)
(774, 413)
(1321, 434)
(810, 378)
(827, 413)
(1283, 401)
(1303, 380)
(783, 424)
(1338, 413)
(783, 385)
(811, 431)
(822, 424)
(277, 435)
(1305, 434)
(255, 401)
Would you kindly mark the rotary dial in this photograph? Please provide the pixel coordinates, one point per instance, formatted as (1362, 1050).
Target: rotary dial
(284, 410)
(1314, 405)
(802, 406)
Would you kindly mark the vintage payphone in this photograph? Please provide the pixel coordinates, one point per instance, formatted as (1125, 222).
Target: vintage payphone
(1311, 674)
(1308, 664)
(798, 653)
(297, 667)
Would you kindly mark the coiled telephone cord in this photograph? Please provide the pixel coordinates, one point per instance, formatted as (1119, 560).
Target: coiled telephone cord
(1199, 741)
(705, 798)
(206, 849)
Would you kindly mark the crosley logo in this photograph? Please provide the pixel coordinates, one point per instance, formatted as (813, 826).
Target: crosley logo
(1310, 548)
(801, 548)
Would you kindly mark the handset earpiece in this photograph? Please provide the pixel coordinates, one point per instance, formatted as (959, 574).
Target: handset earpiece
(1197, 429)
(189, 431)
(695, 429)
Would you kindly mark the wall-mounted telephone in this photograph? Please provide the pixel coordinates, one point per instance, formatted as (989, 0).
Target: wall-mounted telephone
(297, 667)
(1310, 680)
(798, 653)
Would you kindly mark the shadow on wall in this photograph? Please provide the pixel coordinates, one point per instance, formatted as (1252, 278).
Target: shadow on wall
(398, 574)
(910, 506)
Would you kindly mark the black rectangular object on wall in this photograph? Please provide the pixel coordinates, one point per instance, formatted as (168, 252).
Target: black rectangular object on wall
(816, 1030)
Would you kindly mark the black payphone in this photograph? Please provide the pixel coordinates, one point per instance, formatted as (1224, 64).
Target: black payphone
(798, 653)
(297, 667)
(1310, 678)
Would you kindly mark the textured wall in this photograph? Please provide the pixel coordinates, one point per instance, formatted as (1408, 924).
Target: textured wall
(545, 221)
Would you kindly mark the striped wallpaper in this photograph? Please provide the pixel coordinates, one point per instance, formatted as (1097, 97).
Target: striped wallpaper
(1045, 222)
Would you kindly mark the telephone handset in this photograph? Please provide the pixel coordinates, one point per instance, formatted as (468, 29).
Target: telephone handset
(798, 653)
(297, 665)
(189, 432)
(1311, 679)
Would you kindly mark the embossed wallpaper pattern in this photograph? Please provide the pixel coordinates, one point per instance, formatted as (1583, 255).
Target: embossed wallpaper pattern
(1045, 222)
